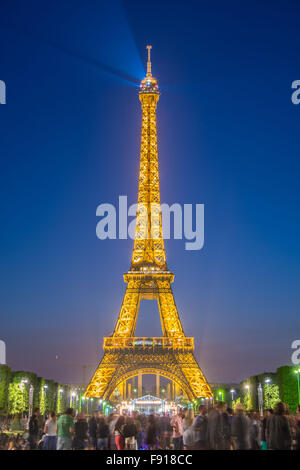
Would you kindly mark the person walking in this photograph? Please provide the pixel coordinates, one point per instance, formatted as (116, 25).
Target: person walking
(50, 440)
(188, 436)
(92, 426)
(151, 433)
(226, 428)
(80, 432)
(119, 436)
(200, 428)
(240, 429)
(166, 432)
(176, 423)
(267, 413)
(138, 425)
(215, 436)
(297, 429)
(187, 415)
(230, 418)
(111, 421)
(255, 434)
(34, 429)
(278, 431)
(102, 434)
(130, 434)
(65, 430)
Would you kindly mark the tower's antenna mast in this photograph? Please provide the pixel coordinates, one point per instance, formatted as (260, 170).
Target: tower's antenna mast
(149, 74)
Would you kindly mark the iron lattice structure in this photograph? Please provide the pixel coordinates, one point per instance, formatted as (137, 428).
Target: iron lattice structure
(148, 278)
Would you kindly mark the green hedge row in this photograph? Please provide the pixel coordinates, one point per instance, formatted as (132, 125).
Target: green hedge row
(279, 386)
(288, 386)
(5, 377)
(16, 388)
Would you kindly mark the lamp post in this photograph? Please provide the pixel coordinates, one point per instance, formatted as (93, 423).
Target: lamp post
(82, 404)
(74, 400)
(232, 394)
(23, 382)
(247, 387)
(267, 382)
(30, 400)
(297, 372)
(59, 403)
(260, 400)
(45, 387)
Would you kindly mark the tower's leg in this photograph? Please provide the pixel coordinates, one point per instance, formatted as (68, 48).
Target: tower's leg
(140, 384)
(169, 391)
(180, 366)
(177, 390)
(123, 391)
(157, 385)
(170, 320)
(129, 391)
(128, 314)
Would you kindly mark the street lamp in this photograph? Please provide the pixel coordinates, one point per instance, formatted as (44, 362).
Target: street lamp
(23, 382)
(74, 400)
(297, 372)
(45, 393)
(232, 393)
(267, 382)
(260, 400)
(247, 387)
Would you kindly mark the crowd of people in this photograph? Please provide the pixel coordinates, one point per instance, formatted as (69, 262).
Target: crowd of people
(216, 428)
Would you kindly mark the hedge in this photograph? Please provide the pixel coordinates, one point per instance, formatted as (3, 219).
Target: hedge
(5, 376)
(288, 386)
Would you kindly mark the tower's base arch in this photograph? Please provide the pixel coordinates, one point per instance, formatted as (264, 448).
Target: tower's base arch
(120, 364)
(130, 374)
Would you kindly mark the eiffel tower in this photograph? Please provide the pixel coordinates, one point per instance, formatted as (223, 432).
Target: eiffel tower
(170, 356)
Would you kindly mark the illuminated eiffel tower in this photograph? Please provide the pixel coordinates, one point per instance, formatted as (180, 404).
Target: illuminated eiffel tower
(126, 356)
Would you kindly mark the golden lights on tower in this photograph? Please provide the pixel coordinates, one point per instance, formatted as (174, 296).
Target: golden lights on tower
(171, 355)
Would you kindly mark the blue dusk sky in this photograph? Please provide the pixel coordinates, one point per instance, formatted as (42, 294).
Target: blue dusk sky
(228, 138)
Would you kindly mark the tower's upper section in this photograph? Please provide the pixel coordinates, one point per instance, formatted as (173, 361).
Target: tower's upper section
(148, 251)
(149, 83)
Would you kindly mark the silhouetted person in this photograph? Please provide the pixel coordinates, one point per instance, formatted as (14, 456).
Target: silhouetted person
(34, 429)
(278, 431)
(93, 423)
(80, 434)
(200, 427)
(240, 428)
(65, 429)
